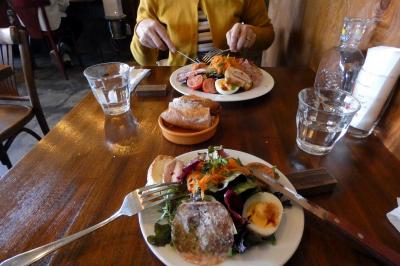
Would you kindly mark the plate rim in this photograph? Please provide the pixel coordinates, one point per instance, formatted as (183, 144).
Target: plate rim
(290, 185)
(224, 98)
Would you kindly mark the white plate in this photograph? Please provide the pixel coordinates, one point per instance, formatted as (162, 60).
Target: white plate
(266, 84)
(288, 235)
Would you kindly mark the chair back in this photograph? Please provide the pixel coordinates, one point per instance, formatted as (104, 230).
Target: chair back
(9, 37)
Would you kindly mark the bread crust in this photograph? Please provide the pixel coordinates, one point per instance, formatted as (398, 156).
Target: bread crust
(215, 107)
(191, 112)
(202, 232)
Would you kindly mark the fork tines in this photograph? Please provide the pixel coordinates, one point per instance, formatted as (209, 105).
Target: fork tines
(156, 194)
(213, 52)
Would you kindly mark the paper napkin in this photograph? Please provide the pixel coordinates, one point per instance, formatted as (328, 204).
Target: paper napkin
(383, 60)
(135, 76)
(374, 84)
(394, 216)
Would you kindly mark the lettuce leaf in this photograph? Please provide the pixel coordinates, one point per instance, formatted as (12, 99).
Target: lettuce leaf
(244, 186)
(214, 188)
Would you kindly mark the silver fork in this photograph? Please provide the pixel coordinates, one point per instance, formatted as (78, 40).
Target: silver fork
(213, 52)
(134, 202)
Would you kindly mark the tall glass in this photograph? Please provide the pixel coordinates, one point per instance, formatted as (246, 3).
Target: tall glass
(110, 85)
(323, 117)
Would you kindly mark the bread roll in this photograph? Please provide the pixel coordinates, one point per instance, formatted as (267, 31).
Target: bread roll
(215, 107)
(202, 232)
(191, 112)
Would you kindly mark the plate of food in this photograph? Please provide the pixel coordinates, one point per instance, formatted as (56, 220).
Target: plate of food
(225, 79)
(229, 218)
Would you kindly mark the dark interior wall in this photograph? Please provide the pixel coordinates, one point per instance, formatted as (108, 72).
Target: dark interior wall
(130, 10)
(95, 39)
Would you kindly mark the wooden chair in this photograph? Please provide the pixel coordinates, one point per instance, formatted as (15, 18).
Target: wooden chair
(16, 109)
(27, 11)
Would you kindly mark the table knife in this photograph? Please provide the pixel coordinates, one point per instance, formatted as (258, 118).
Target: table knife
(187, 57)
(373, 246)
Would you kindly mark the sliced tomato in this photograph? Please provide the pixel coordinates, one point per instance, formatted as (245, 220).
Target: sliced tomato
(195, 82)
(209, 85)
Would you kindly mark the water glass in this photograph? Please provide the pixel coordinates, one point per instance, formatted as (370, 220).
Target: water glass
(110, 85)
(323, 117)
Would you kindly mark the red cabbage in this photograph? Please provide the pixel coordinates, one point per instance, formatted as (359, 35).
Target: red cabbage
(234, 206)
(223, 154)
(187, 169)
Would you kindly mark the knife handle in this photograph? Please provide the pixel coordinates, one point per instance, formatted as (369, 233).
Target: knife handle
(374, 247)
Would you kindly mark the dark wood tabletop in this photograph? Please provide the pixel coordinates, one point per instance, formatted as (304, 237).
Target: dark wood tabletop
(5, 71)
(79, 173)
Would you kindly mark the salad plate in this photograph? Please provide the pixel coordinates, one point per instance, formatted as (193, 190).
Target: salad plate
(288, 235)
(265, 86)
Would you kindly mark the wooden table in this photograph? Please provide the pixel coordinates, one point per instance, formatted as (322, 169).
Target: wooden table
(5, 71)
(80, 172)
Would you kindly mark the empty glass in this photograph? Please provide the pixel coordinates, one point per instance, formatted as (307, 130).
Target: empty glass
(323, 117)
(110, 85)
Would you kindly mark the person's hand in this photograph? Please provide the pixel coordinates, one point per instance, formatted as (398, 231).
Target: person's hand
(240, 36)
(154, 35)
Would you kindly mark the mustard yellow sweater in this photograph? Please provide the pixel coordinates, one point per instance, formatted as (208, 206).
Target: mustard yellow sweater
(180, 18)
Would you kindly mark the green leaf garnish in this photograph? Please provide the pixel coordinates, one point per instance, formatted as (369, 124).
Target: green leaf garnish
(244, 186)
(162, 235)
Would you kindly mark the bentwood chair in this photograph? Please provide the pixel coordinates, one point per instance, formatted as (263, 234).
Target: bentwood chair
(28, 13)
(17, 108)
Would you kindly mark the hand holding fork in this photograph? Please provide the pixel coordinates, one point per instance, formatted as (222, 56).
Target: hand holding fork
(154, 35)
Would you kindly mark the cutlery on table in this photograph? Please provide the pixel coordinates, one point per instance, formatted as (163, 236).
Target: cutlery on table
(205, 58)
(134, 202)
(375, 248)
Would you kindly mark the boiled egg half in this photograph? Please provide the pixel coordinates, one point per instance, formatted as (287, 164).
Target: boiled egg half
(264, 213)
(225, 88)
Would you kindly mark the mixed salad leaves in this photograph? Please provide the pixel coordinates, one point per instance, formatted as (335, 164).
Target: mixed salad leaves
(215, 176)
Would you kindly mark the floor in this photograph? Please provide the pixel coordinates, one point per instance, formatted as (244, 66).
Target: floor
(57, 95)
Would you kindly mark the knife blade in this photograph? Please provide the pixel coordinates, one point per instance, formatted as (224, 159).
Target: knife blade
(373, 246)
(187, 57)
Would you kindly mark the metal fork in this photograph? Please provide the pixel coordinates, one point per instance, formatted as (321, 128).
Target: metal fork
(213, 52)
(134, 202)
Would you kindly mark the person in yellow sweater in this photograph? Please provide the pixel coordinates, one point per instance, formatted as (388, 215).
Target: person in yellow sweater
(196, 26)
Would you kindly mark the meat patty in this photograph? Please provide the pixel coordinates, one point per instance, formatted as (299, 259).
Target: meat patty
(202, 232)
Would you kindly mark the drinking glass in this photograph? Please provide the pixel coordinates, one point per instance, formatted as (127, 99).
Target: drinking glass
(110, 85)
(323, 117)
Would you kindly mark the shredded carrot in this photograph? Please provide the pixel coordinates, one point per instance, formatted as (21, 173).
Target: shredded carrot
(192, 179)
(220, 63)
(234, 166)
(216, 175)
(210, 179)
